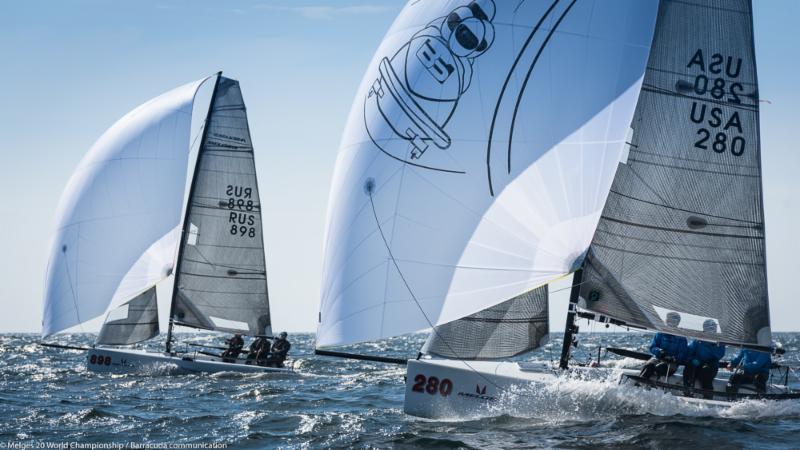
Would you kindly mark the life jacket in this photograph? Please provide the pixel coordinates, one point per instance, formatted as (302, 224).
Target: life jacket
(705, 352)
(674, 346)
(752, 362)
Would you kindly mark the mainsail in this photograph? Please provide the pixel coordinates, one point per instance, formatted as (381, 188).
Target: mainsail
(683, 227)
(125, 197)
(134, 321)
(477, 158)
(508, 329)
(221, 279)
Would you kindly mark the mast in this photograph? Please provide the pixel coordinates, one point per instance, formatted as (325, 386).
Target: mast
(570, 329)
(184, 235)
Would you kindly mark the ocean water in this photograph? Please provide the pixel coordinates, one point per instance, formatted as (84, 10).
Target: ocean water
(47, 396)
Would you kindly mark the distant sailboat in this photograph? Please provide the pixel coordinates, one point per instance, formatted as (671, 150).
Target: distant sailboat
(494, 148)
(120, 233)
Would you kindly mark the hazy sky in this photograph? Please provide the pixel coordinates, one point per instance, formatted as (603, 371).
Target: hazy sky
(72, 68)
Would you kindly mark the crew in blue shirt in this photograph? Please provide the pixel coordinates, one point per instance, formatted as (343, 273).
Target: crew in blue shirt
(749, 366)
(702, 361)
(668, 351)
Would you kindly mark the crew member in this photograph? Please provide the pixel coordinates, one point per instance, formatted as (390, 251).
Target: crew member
(280, 348)
(259, 350)
(669, 351)
(703, 361)
(235, 345)
(749, 366)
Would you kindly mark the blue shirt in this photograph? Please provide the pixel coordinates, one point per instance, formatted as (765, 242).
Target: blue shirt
(705, 352)
(752, 362)
(671, 345)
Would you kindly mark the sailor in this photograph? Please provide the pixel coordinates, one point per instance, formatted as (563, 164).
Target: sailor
(703, 361)
(280, 348)
(749, 366)
(235, 345)
(669, 351)
(258, 351)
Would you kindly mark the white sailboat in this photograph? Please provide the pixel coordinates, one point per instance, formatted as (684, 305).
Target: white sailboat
(120, 233)
(495, 147)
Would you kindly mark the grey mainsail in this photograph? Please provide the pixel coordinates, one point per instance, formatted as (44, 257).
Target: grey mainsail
(221, 281)
(511, 328)
(134, 321)
(683, 227)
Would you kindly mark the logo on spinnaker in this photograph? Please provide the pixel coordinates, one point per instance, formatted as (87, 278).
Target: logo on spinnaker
(417, 90)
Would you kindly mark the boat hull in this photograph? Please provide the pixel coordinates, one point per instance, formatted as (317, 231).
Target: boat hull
(116, 360)
(442, 389)
(438, 389)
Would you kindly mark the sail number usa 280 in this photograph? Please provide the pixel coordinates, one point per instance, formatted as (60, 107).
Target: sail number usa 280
(717, 83)
(241, 206)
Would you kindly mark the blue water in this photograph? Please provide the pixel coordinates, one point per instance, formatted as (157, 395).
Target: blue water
(46, 395)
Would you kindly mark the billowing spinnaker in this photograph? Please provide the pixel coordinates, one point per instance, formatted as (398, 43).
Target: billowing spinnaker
(125, 195)
(477, 158)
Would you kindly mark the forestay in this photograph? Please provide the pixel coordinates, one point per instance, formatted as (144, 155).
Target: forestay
(125, 196)
(683, 227)
(221, 281)
(508, 329)
(477, 158)
(134, 321)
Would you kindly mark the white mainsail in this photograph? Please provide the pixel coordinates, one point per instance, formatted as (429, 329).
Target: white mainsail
(125, 197)
(477, 158)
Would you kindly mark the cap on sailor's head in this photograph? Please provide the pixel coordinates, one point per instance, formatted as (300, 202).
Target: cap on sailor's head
(673, 319)
(710, 326)
(283, 334)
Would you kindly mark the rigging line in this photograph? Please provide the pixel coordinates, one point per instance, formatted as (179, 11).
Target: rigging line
(71, 288)
(408, 287)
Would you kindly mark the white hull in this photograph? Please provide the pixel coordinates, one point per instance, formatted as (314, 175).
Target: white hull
(117, 360)
(442, 389)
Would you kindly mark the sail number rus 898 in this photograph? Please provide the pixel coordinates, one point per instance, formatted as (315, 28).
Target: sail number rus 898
(241, 205)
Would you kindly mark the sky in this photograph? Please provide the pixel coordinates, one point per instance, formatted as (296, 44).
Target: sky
(72, 68)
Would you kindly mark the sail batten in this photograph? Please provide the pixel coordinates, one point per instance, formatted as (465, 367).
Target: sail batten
(682, 231)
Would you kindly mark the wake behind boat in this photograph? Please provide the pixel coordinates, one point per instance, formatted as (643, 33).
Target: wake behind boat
(495, 148)
(120, 235)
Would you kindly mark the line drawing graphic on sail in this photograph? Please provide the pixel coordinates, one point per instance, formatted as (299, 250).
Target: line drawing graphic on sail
(427, 247)
(121, 234)
(548, 119)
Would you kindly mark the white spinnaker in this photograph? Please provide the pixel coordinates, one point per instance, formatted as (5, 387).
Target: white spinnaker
(477, 158)
(125, 196)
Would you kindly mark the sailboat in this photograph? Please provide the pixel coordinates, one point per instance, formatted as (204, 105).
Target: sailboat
(494, 148)
(121, 233)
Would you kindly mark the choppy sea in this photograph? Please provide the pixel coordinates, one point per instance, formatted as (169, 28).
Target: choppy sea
(48, 397)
